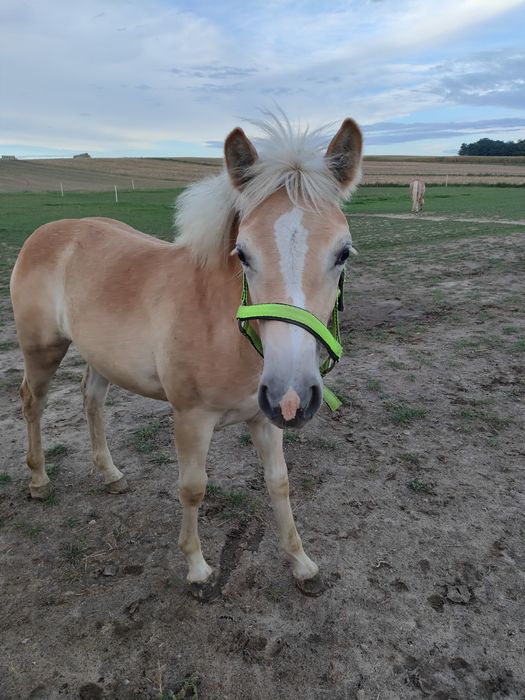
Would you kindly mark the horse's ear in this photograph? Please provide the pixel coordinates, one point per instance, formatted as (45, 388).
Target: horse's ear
(240, 155)
(344, 154)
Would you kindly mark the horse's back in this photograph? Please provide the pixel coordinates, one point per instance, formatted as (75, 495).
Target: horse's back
(57, 259)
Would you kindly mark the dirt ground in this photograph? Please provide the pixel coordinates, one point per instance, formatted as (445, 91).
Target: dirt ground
(411, 500)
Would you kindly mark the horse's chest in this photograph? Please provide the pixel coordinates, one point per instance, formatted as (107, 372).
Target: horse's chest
(245, 412)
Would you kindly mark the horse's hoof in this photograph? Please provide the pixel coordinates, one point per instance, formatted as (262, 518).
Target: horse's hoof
(119, 486)
(205, 591)
(40, 493)
(312, 587)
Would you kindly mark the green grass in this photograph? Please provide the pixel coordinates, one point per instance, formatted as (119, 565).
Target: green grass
(382, 234)
(245, 439)
(56, 452)
(510, 330)
(420, 486)
(410, 458)
(322, 443)
(144, 440)
(161, 459)
(188, 690)
(518, 346)
(373, 384)
(494, 421)
(71, 553)
(29, 529)
(235, 505)
(150, 211)
(5, 478)
(292, 436)
(468, 201)
(51, 500)
(402, 413)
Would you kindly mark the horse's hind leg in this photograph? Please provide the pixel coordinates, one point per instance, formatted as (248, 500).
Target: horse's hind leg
(40, 365)
(95, 389)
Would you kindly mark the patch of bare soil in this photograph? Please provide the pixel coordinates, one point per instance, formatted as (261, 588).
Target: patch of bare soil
(447, 217)
(410, 499)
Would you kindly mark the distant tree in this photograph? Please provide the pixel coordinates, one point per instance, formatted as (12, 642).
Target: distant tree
(489, 147)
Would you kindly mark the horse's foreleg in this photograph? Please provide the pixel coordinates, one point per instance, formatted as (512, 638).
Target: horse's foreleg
(268, 441)
(193, 432)
(95, 389)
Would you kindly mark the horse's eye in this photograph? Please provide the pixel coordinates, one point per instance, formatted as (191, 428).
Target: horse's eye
(242, 257)
(343, 256)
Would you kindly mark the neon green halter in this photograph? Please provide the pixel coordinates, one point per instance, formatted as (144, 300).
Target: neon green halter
(329, 337)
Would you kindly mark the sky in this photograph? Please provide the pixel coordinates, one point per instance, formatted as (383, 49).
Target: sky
(169, 78)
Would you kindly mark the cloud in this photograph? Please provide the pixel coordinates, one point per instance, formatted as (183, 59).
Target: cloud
(215, 72)
(395, 132)
(489, 78)
(89, 74)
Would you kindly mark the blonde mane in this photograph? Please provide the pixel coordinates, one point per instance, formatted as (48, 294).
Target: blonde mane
(289, 157)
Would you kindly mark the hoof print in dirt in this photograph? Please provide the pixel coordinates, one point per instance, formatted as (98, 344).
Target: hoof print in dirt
(437, 602)
(119, 486)
(312, 587)
(90, 691)
(207, 591)
(458, 593)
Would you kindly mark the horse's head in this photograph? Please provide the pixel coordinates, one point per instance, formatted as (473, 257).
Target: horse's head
(293, 242)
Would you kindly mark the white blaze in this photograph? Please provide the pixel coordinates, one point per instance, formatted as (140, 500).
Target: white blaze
(292, 243)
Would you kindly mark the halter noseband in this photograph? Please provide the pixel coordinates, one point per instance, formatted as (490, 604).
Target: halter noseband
(330, 337)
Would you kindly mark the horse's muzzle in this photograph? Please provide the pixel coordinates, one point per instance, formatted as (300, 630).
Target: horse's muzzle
(272, 406)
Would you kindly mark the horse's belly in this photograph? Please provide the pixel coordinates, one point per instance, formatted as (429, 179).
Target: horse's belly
(132, 368)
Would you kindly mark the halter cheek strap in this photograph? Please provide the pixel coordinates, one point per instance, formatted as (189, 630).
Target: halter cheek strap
(328, 337)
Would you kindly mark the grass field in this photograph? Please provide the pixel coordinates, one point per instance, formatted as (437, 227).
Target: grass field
(468, 201)
(152, 211)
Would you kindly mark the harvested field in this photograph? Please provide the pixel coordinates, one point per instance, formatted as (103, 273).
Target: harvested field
(483, 171)
(97, 174)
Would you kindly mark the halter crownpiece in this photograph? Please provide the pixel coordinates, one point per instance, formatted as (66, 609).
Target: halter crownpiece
(328, 337)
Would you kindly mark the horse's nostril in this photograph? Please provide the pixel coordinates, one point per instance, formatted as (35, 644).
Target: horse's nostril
(314, 402)
(264, 402)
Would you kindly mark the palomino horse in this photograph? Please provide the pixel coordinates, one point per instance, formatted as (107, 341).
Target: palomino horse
(417, 189)
(159, 319)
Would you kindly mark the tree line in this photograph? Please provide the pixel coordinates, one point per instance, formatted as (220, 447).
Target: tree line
(489, 147)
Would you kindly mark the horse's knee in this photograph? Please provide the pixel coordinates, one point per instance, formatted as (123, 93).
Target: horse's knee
(191, 493)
